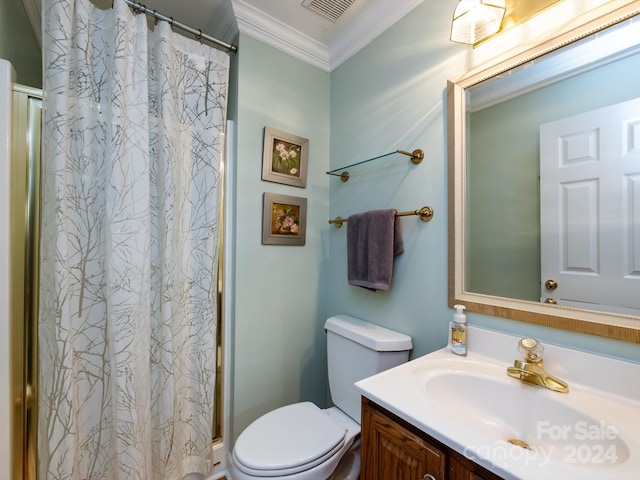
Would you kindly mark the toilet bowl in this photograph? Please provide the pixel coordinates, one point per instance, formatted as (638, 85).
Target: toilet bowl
(303, 442)
(295, 442)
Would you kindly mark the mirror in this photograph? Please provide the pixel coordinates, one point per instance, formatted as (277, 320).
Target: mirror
(527, 240)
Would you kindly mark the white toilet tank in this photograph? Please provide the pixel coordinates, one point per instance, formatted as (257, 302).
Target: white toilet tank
(355, 350)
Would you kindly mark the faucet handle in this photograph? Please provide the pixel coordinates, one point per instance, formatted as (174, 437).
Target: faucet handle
(531, 349)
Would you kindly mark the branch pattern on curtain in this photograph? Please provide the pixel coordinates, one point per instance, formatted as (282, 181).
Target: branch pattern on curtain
(130, 224)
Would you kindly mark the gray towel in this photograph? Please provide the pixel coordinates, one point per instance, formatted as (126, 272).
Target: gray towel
(373, 239)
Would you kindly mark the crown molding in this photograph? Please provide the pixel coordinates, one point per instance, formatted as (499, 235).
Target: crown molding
(368, 25)
(275, 33)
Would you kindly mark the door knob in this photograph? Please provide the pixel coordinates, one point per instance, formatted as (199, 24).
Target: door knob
(552, 301)
(551, 284)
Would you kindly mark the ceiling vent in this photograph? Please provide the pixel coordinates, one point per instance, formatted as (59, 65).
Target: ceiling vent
(330, 9)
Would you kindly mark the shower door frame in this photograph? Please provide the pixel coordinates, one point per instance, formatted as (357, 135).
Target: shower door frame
(24, 273)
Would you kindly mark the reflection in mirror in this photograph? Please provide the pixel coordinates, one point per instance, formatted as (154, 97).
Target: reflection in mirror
(545, 183)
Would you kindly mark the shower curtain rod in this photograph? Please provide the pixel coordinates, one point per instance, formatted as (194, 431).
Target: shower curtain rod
(138, 7)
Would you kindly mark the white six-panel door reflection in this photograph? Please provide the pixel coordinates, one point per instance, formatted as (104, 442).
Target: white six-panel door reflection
(590, 209)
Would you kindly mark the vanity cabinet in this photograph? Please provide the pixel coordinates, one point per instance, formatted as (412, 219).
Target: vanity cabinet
(394, 449)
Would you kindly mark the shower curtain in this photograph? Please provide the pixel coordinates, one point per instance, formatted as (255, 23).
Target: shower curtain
(130, 223)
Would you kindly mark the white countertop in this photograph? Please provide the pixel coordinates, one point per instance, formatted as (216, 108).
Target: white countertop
(592, 432)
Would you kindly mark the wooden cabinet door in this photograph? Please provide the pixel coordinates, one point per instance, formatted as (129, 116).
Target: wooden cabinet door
(390, 451)
(457, 471)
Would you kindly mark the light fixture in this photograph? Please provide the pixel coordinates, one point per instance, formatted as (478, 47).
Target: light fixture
(475, 20)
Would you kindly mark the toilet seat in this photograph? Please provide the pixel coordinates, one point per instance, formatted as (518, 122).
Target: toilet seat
(288, 440)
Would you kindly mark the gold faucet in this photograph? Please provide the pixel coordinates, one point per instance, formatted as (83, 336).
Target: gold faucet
(530, 369)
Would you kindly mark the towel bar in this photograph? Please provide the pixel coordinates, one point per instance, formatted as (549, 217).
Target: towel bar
(425, 214)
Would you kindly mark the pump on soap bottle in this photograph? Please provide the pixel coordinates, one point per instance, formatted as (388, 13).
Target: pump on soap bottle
(458, 331)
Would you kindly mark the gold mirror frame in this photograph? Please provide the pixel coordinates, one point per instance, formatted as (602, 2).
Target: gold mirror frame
(608, 325)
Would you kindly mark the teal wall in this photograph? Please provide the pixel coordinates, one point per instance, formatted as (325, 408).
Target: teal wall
(18, 44)
(390, 95)
(280, 291)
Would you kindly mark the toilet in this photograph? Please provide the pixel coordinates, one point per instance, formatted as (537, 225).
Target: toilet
(303, 442)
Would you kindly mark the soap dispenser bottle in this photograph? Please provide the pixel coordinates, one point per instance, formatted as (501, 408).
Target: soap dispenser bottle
(458, 331)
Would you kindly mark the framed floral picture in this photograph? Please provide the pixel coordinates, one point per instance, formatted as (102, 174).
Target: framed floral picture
(284, 158)
(284, 220)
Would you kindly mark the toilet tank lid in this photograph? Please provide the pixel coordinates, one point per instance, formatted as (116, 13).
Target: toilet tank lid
(372, 336)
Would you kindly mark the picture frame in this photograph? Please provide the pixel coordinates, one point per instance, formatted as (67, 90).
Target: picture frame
(284, 220)
(284, 158)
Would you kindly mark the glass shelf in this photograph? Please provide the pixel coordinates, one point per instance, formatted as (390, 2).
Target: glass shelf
(416, 157)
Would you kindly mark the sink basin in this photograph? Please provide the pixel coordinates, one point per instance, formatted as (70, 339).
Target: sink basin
(516, 429)
(507, 410)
